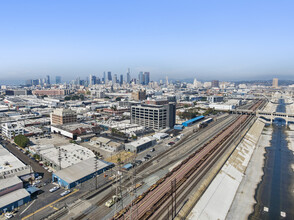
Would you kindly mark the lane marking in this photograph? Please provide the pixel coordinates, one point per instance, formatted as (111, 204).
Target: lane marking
(53, 207)
(44, 207)
(27, 207)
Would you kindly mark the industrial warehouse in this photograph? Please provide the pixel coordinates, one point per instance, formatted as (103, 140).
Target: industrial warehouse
(80, 172)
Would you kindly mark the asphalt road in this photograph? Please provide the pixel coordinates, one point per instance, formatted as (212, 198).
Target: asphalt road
(47, 176)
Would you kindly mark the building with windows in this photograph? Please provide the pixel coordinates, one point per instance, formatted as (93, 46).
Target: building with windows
(11, 129)
(58, 79)
(141, 144)
(215, 83)
(157, 117)
(63, 116)
(275, 82)
(213, 99)
(80, 172)
(146, 78)
(139, 95)
(51, 92)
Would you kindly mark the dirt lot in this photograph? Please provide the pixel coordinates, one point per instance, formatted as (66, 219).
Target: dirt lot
(123, 155)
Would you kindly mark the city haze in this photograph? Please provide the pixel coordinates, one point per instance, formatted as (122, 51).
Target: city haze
(227, 40)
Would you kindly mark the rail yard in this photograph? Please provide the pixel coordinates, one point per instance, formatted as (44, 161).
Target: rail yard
(172, 188)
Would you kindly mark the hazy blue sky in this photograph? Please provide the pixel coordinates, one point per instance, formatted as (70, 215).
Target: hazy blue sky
(182, 39)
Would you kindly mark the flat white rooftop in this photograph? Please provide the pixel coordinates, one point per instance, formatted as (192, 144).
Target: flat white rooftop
(13, 197)
(80, 170)
(70, 154)
(8, 162)
(8, 182)
(141, 141)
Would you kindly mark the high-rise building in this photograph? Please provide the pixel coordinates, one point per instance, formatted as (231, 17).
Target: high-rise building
(109, 77)
(28, 82)
(141, 78)
(48, 79)
(92, 80)
(121, 79)
(166, 80)
(157, 117)
(146, 78)
(128, 76)
(58, 79)
(35, 82)
(215, 83)
(104, 77)
(114, 79)
(275, 82)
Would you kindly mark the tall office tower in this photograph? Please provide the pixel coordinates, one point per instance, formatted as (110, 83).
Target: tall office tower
(29, 82)
(215, 83)
(128, 76)
(109, 77)
(98, 81)
(35, 82)
(114, 80)
(92, 80)
(121, 80)
(48, 79)
(146, 78)
(104, 78)
(275, 83)
(58, 79)
(166, 80)
(141, 78)
(78, 81)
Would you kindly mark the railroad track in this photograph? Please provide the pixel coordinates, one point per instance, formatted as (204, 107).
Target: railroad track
(176, 148)
(149, 201)
(185, 189)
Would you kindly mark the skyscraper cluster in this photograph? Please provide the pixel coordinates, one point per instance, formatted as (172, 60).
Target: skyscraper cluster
(144, 78)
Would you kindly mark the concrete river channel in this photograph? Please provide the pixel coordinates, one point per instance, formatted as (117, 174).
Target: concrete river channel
(273, 194)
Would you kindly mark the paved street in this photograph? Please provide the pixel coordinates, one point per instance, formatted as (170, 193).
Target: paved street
(27, 160)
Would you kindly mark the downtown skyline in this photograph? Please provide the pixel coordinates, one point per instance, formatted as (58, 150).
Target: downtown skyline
(188, 39)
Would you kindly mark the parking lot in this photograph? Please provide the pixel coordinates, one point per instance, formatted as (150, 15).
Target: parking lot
(27, 160)
(55, 139)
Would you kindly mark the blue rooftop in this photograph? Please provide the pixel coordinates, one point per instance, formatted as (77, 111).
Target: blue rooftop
(128, 166)
(191, 121)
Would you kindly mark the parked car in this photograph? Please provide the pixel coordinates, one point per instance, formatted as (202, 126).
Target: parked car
(54, 189)
(138, 162)
(148, 155)
(171, 143)
(8, 215)
(152, 150)
(65, 193)
(39, 178)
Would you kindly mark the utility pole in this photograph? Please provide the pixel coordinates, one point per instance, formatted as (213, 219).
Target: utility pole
(133, 192)
(119, 204)
(59, 157)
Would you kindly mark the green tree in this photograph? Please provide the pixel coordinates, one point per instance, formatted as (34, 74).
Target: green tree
(21, 140)
(36, 156)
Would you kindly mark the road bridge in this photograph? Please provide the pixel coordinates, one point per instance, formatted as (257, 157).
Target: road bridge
(288, 117)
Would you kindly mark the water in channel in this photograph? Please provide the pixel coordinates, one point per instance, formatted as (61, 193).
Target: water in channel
(274, 190)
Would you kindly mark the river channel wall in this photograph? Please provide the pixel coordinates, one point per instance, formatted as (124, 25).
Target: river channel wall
(217, 200)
